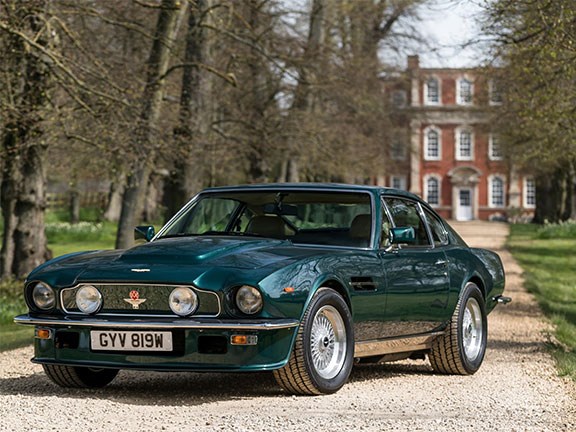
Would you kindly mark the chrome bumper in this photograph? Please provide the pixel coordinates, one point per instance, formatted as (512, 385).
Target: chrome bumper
(208, 324)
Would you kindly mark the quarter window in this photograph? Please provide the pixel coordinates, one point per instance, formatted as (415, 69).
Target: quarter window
(439, 234)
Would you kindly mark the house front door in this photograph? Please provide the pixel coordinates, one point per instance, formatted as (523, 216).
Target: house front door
(464, 211)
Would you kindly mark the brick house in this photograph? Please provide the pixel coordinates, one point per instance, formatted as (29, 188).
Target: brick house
(454, 161)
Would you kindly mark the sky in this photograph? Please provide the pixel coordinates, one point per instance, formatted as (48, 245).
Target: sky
(450, 24)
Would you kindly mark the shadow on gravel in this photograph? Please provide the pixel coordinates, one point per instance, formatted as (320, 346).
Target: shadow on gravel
(190, 389)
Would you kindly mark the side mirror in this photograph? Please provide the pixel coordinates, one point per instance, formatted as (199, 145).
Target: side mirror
(402, 235)
(144, 232)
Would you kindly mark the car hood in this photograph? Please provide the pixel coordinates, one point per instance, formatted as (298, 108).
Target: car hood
(204, 261)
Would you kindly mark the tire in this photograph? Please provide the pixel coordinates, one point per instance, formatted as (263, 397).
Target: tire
(461, 349)
(79, 377)
(323, 353)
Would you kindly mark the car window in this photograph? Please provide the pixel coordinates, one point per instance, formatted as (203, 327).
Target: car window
(386, 225)
(405, 213)
(439, 234)
(207, 215)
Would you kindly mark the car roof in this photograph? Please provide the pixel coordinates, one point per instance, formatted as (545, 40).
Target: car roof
(328, 187)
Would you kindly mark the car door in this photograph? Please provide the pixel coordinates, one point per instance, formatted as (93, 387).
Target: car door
(416, 274)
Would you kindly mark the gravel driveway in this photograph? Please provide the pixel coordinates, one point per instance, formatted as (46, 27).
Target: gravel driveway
(516, 389)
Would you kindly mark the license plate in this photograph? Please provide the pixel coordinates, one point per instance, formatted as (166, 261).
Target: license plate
(130, 340)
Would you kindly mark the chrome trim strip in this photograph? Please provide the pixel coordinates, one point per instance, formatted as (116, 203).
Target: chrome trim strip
(253, 325)
(396, 345)
(139, 284)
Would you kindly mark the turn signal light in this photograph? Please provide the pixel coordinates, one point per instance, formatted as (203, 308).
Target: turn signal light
(244, 339)
(43, 334)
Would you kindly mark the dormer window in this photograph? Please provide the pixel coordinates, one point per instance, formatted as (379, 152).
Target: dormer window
(432, 91)
(465, 91)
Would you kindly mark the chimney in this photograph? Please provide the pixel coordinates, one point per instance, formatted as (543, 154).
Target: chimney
(413, 62)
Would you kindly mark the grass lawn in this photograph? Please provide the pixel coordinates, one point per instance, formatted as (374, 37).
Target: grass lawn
(548, 257)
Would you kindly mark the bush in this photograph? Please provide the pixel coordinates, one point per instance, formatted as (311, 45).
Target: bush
(562, 230)
(65, 231)
(11, 300)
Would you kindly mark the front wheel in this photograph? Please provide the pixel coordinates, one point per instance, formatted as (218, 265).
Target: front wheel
(461, 349)
(79, 377)
(324, 349)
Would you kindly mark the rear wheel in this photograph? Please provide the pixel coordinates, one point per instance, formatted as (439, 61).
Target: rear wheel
(323, 352)
(79, 377)
(461, 349)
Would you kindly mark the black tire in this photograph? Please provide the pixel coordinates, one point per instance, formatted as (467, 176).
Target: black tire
(461, 349)
(79, 377)
(326, 334)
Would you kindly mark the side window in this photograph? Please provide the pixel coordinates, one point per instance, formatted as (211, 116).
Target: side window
(405, 214)
(439, 234)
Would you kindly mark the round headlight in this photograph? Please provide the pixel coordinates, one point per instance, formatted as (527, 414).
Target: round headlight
(183, 301)
(249, 300)
(43, 296)
(88, 299)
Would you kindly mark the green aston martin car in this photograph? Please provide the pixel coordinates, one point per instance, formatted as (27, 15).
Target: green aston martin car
(299, 279)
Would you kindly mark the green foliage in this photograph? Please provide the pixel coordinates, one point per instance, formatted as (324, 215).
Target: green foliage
(11, 300)
(549, 264)
(561, 230)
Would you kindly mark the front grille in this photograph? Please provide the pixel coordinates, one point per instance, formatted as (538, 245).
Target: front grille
(116, 300)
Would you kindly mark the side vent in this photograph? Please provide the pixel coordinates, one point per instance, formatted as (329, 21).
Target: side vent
(362, 283)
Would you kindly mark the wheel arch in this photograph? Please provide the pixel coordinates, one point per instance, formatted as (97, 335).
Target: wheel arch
(477, 280)
(337, 286)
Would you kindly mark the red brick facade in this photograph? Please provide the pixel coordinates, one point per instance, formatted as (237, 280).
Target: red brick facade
(454, 161)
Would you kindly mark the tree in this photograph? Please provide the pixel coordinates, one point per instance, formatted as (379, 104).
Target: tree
(535, 47)
(26, 34)
(143, 143)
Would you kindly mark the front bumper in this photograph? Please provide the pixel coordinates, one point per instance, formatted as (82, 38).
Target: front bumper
(202, 344)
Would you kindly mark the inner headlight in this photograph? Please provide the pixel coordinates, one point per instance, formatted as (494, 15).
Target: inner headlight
(43, 296)
(249, 300)
(88, 299)
(183, 301)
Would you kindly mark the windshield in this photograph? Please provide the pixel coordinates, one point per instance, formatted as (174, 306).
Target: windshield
(326, 218)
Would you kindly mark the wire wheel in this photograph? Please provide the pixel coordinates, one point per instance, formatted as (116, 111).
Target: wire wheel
(328, 342)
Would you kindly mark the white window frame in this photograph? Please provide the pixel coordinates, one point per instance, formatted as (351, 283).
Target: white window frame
(491, 92)
(426, 95)
(491, 147)
(402, 180)
(459, 82)
(525, 193)
(438, 179)
(457, 139)
(439, 134)
(491, 180)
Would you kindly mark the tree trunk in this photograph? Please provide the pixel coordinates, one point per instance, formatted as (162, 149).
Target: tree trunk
(554, 196)
(186, 178)
(114, 206)
(157, 65)
(23, 184)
